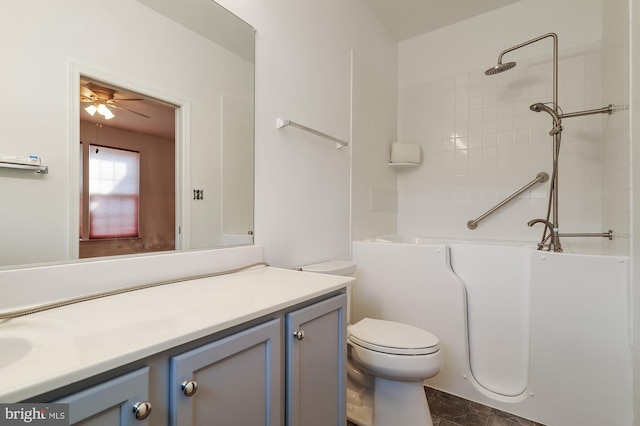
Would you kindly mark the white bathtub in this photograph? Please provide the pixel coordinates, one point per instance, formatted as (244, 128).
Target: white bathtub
(538, 334)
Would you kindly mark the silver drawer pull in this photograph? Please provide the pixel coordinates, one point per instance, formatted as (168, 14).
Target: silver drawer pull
(142, 410)
(189, 387)
(299, 334)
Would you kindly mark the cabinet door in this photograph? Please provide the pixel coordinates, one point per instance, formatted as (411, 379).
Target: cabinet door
(111, 403)
(238, 381)
(316, 373)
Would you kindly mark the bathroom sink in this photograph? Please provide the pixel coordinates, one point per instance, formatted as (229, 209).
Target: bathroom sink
(13, 349)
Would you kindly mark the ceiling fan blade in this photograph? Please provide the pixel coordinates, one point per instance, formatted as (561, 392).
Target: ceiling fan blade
(127, 109)
(85, 99)
(87, 93)
(129, 99)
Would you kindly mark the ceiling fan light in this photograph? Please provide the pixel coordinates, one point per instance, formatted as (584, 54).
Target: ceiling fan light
(106, 112)
(91, 109)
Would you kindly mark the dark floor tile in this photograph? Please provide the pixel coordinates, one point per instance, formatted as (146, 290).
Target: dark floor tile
(449, 410)
(477, 418)
(477, 415)
(430, 392)
(445, 422)
(454, 399)
(496, 420)
(514, 420)
(474, 407)
(448, 407)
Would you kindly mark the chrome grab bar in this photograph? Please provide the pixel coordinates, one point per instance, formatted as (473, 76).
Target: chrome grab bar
(540, 178)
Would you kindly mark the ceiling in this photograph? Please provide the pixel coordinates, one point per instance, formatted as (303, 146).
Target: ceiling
(409, 18)
(161, 116)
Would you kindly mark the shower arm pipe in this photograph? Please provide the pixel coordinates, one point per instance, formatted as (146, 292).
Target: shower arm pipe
(606, 110)
(608, 234)
(540, 178)
(555, 61)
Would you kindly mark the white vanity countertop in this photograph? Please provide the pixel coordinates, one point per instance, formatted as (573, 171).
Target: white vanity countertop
(78, 341)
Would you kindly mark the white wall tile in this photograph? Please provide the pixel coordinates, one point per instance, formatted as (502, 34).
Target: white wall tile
(504, 148)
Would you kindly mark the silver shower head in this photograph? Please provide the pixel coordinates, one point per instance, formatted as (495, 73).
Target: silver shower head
(500, 68)
(537, 107)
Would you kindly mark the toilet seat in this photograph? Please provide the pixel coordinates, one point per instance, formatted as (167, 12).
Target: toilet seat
(392, 337)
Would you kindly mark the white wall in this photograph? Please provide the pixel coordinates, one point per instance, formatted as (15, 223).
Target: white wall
(237, 167)
(481, 141)
(303, 73)
(631, 16)
(374, 197)
(43, 45)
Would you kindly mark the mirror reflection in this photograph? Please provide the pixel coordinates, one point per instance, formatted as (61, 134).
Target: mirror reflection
(127, 172)
(196, 57)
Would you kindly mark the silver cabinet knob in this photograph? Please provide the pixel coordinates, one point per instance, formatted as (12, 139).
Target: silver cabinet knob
(299, 334)
(142, 410)
(189, 387)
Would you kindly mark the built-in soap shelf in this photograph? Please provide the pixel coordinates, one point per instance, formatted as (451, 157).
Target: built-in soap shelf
(403, 165)
(405, 155)
(41, 170)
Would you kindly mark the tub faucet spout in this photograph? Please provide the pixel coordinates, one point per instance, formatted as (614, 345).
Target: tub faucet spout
(554, 244)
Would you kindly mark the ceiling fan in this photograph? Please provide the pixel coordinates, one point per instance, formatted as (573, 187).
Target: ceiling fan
(102, 99)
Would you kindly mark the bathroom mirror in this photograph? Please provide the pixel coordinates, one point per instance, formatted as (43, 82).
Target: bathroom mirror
(198, 57)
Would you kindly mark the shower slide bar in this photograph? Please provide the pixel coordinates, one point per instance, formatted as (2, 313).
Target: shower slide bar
(540, 178)
(280, 123)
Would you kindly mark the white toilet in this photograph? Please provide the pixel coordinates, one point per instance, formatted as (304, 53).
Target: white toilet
(387, 364)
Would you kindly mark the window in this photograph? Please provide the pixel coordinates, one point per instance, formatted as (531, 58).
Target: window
(114, 192)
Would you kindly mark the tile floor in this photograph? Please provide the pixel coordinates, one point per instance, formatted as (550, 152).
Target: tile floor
(450, 410)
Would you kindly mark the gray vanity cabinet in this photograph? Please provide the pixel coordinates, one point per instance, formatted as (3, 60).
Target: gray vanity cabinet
(115, 402)
(316, 370)
(237, 380)
(232, 381)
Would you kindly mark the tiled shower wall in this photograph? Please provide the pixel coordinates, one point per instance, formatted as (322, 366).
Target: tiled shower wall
(481, 143)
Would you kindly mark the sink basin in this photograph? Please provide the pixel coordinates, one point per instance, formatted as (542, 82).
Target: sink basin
(13, 349)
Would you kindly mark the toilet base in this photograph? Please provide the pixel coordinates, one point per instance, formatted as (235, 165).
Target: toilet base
(359, 405)
(396, 403)
(400, 403)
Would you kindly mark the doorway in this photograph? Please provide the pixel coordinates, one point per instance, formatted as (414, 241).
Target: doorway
(127, 171)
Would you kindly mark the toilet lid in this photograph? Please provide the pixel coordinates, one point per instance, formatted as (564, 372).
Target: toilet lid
(392, 337)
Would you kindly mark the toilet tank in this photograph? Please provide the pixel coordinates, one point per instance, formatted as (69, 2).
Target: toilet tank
(335, 267)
